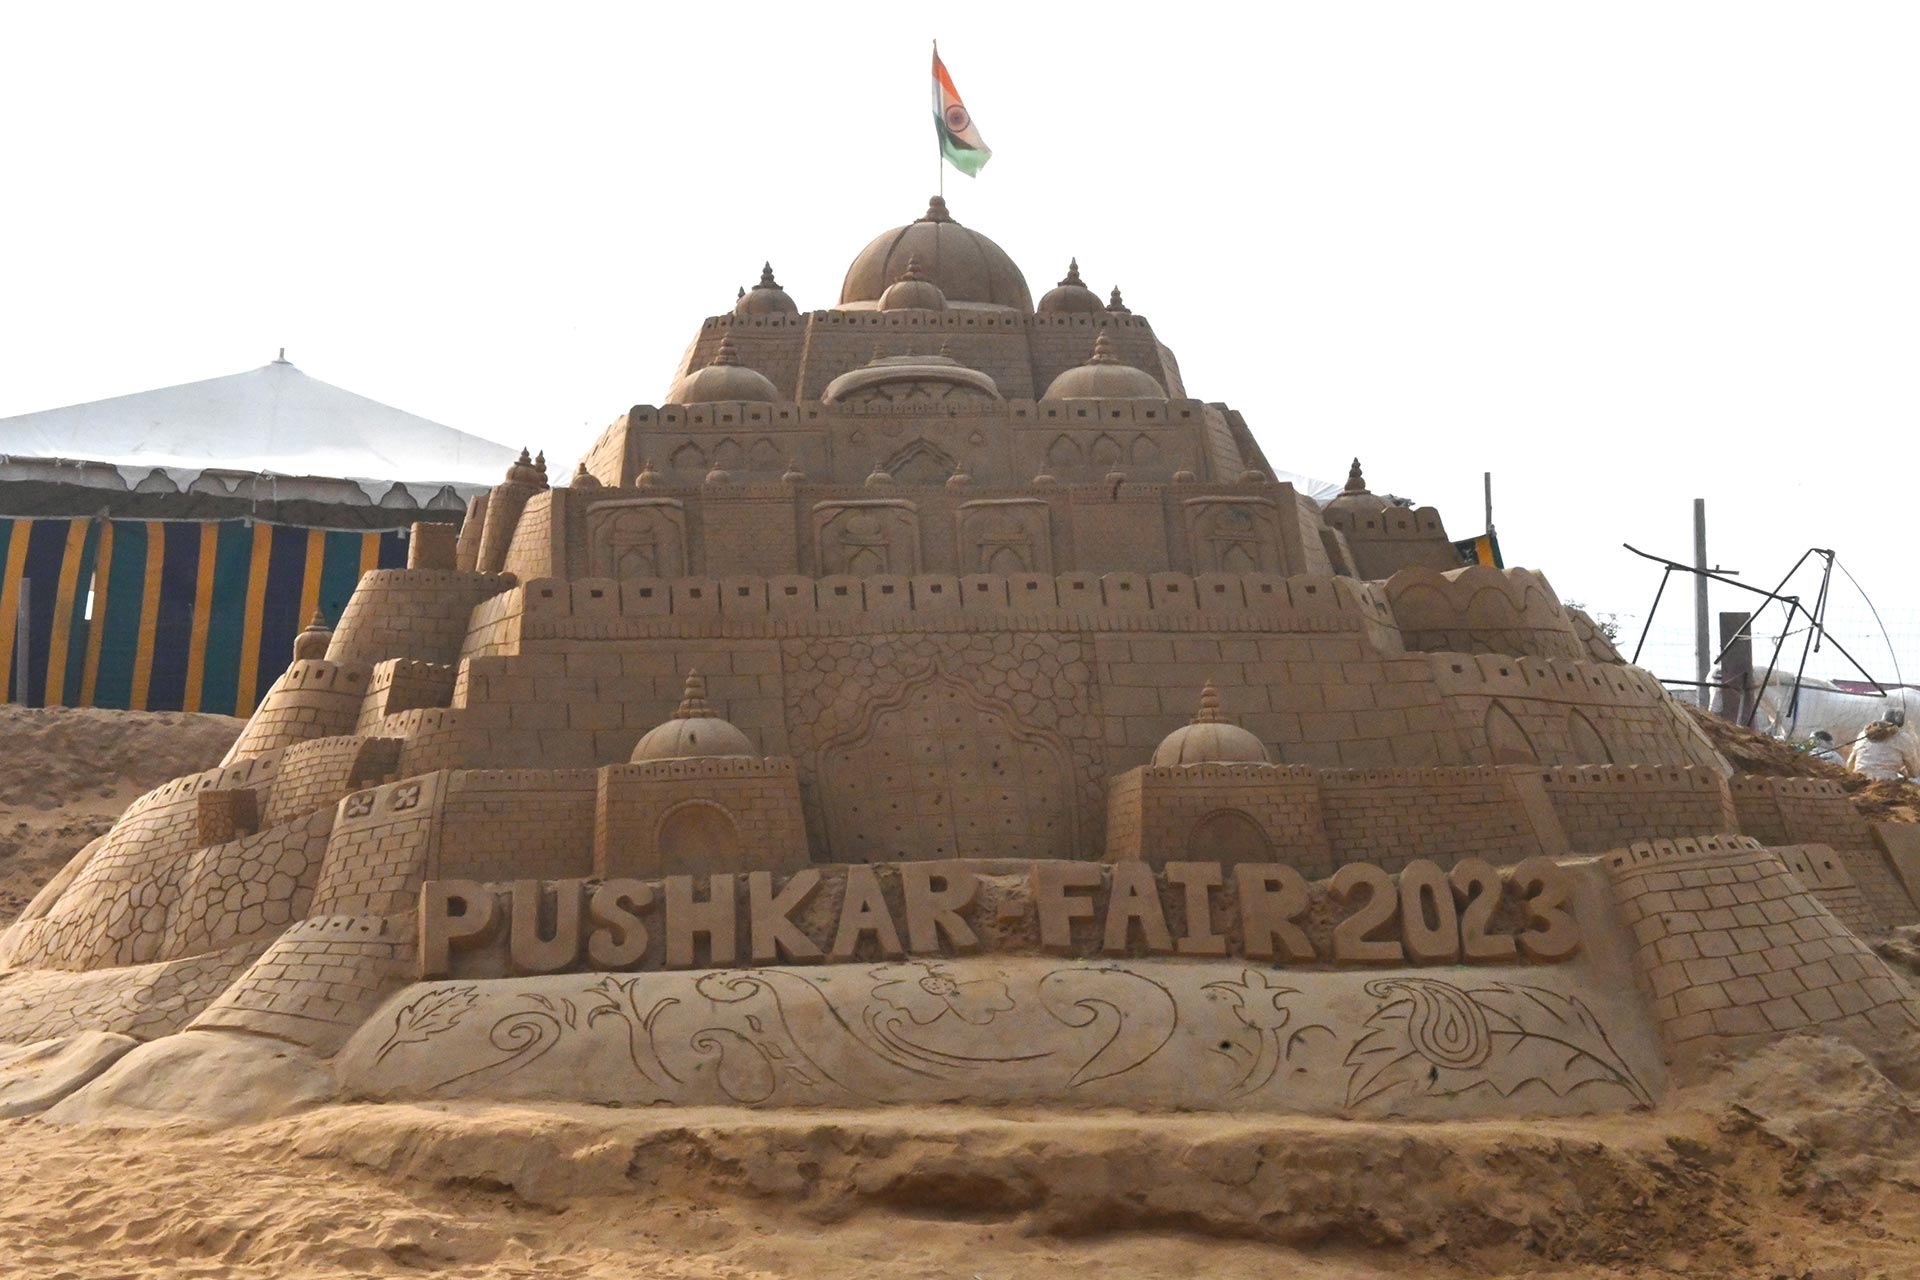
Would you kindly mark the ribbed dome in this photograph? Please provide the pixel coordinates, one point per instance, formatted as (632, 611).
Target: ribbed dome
(1209, 739)
(765, 299)
(1103, 377)
(1356, 497)
(725, 379)
(1070, 296)
(913, 292)
(965, 265)
(693, 731)
(909, 371)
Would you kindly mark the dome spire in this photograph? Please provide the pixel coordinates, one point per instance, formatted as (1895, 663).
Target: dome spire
(1209, 712)
(937, 210)
(1115, 305)
(1073, 273)
(727, 354)
(1103, 351)
(1356, 483)
(913, 268)
(693, 699)
(766, 277)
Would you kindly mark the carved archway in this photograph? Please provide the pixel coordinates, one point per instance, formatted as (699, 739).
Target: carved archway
(939, 771)
(697, 837)
(1229, 837)
(1507, 742)
(1588, 746)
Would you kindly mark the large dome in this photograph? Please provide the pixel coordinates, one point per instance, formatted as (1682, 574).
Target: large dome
(968, 267)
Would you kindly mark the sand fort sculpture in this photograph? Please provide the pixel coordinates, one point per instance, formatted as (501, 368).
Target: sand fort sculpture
(931, 701)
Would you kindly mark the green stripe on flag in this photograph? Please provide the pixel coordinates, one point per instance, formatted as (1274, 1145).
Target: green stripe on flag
(958, 154)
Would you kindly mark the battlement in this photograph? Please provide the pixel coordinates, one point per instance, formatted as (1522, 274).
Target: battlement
(1617, 778)
(547, 608)
(1756, 785)
(1558, 679)
(702, 767)
(1394, 523)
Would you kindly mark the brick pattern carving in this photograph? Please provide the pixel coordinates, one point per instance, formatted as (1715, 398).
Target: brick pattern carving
(311, 699)
(1228, 813)
(508, 823)
(317, 774)
(1600, 808)
(644, 825)
(400, 684)
(1482, 609)
(317, 982)
(1730, 944)
(1784, 811)
(420, 614)
(380, 850)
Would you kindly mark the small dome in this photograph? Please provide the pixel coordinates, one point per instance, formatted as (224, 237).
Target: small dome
(1103, 377)
(1070, 296)
(693, 731)
(312, 642)
(724, 379)
(583, 478)
(766, 298)
(1210, 739)
(966, 265)
(523, 471)
(913, 292)
(1356, 497)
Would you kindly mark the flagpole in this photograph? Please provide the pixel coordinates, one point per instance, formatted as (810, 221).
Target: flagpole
(939, 157)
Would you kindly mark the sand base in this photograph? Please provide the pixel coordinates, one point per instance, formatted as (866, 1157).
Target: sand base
(1799, 1162)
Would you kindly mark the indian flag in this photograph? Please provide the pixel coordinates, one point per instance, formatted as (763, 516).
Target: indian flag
(960, 142)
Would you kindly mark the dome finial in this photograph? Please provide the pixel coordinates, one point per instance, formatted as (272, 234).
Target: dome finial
(913, 268)
(946, 348)
(1115, 305)
(526, 458)
(740, 293)
(937, 210)
(1209, 712)
(1103, 350)
(1356, 483)
(766, 277)
(319, 618)
(1073, 273)
(727, 354)
(693, 700)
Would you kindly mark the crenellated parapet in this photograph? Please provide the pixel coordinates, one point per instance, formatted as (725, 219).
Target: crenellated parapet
(1482, 609)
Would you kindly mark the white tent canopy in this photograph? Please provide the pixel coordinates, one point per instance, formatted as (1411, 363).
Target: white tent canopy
(274, 419)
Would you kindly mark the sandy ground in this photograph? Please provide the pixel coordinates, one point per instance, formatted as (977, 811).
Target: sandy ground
(1801, 1162)
(66, 774)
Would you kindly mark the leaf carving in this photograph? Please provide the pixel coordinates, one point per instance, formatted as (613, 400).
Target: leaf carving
(429, 1015)
(1584, 1051)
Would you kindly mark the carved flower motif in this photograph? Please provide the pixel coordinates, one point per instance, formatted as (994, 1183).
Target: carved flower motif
(936, 994)
(1256, 1000)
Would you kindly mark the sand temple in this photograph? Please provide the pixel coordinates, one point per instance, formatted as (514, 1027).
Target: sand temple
(932, 700)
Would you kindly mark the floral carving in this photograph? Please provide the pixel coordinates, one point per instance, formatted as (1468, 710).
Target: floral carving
(1257, 1002)
(1435, 1039)
(937, 994)
(439, 1009)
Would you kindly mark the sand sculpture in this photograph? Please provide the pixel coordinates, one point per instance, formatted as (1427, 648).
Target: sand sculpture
(932, 701)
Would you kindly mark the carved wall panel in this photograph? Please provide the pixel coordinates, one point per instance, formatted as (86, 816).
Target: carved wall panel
(638, 538)
(938, 771)
(1234, 535)
(866, 538)
(1005, 535)
(921, 462)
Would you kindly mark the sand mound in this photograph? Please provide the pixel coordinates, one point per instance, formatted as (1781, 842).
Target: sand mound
(1797, 1162)
(1752, 752)
(66, 773)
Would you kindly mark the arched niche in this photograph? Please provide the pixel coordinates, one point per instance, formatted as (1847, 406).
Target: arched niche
(697, 837)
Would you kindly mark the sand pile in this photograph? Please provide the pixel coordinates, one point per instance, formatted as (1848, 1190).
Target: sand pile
(1799, 1162)
(1752, 752)
(67, 773)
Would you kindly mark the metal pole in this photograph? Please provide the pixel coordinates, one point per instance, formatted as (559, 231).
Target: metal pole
(1486, 480)
(1736, 667)
(20, 634)
(1702, 641)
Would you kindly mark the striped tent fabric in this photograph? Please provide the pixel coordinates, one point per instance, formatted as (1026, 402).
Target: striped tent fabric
(161, 615)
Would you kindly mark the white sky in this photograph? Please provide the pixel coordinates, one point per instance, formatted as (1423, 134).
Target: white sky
(1620, 254)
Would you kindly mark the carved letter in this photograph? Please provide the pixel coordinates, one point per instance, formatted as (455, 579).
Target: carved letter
(1272, 898)
(932, 912)
(1135, 896)
(620, 936)
(770, 924)
(1057, 911)
(862, 911)
(1197, 880)
(528, 950)
(454, 915)
(686, 919)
